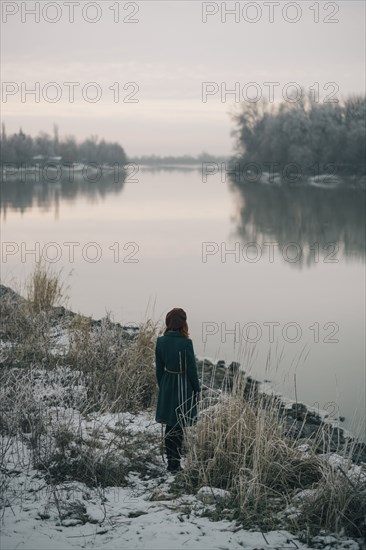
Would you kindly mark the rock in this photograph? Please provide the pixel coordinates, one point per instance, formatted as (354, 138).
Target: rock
(298, 429)
(212, 494)
(357, 449)
(337, 435)
(71, 522)
(313, 418)
(234, 367)
(251, 390)
(7, 292)
(300, 410)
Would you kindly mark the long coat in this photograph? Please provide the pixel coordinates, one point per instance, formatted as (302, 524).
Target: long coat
(176, 373)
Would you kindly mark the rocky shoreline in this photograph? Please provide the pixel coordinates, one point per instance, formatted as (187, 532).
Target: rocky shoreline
(302, 423)
(61, 315)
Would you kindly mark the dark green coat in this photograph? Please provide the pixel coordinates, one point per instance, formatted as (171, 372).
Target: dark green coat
(176, 401)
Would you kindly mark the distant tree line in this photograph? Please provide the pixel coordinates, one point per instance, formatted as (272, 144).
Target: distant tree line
(20, 149)
(156, 160)
(304, 132)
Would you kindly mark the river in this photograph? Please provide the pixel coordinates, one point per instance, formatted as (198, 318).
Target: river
(272, 278)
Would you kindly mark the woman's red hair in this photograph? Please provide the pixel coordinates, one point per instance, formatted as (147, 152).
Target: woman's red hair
(183, 331)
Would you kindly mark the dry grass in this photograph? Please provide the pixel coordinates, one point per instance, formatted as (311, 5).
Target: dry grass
(338, 503)
(44, 288)
(240, 446)
(119, 371)
(26, 323)
(118, 368)
(26, 335)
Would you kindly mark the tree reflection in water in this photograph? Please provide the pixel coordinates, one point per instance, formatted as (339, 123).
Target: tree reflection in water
(312, 218)
(23, 194)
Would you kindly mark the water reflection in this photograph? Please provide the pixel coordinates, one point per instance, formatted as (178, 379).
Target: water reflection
(323, 223)
(22, 194)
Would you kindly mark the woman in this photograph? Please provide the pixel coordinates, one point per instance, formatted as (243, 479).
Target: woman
(176, 373)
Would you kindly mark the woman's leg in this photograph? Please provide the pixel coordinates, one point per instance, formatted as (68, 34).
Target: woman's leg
(179, 439)
(173, 445)
(169, 444)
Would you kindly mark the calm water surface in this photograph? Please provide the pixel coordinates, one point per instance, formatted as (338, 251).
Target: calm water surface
(290, 311)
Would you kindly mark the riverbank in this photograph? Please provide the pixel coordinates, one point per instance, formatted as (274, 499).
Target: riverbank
(78, 427)
(302, 422)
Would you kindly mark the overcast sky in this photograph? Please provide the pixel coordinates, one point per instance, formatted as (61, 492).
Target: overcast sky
(168, 53)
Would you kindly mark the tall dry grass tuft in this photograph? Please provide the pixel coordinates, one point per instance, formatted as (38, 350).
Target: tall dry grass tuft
(136, 369)
(44, 288)
(119, 369)
(241, 445)
(26, 323)
(26, 334)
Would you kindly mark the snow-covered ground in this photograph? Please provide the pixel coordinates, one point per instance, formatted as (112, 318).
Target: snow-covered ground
(147, 513)
(144, 515)
(152, 511)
